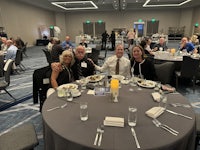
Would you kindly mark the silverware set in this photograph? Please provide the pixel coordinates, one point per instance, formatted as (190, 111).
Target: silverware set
(99, 135)
(165, 127)
(178, 114)
(57, 107)
(180, 105)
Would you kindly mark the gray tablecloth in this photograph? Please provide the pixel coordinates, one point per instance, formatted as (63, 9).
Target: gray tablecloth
(63, 129)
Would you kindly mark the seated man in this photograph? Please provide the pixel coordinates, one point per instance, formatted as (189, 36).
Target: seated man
(188, 46)
(161, 46)
(116, 64)
(11, 51)
(67, 43)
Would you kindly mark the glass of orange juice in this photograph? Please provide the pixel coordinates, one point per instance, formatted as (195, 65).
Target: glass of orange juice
(173, 51)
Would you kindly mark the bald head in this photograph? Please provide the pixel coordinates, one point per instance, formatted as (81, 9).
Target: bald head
(80, 52)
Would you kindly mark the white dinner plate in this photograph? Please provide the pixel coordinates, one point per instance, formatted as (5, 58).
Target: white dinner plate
(69, 86)
(95, 78)
(119, 77)
(146, 83)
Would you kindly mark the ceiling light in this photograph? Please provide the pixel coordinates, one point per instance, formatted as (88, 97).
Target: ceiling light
(146, 4)
(75, 5)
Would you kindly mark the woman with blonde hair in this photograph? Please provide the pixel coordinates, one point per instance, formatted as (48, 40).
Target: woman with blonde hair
(64, 73)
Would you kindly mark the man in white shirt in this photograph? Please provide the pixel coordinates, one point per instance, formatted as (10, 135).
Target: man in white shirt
(110, 64)
(11, 51)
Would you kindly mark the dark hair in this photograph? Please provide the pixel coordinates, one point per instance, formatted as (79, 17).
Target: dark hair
(142, 50)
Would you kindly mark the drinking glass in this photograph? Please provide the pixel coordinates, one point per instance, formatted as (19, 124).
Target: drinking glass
(83, 111)
(132, 116)
(163, 101)
(69, 95)
(157, 86)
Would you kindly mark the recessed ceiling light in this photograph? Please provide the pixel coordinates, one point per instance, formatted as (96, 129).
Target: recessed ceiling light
(75, 5)
(146, 4)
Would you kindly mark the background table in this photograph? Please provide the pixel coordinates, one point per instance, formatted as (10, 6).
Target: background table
(64, 130)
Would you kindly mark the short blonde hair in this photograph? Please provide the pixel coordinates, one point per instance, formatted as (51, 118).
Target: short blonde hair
(67, 52)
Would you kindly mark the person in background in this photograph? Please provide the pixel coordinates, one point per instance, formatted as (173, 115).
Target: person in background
(11, 51)
(4, 45)
(140, 66)
(110, 64)
(105, 36)
(161, 46)
(67, 44)
(83, 43)
(56, 50)
(19, 43)
(131, 37)
(50, 44)
(112, 39)
(64, 74)
(185, 45)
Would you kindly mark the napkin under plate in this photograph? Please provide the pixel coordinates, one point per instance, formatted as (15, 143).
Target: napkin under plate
(114, 121)
(155, 112)
(156, 96)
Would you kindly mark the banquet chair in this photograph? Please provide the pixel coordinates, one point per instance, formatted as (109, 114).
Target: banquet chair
(197, 130)
(48, 56)
(41, 82)
(189, 69)
(102, 58)
(94, 55)
(5, 82)
(18, 61)
(20, 138)
(24, 49)
(164, 72)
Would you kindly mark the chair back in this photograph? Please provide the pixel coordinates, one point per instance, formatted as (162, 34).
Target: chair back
(94, 55)
(18, 57)
(48, 56)
(164, 72)
(189, 67)
(7, 69)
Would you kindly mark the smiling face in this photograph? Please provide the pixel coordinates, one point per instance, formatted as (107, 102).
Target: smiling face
(80, 52)
(138, 53)
(119, 51)
(66, 57)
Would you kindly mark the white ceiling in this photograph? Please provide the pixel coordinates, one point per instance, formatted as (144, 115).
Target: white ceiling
(111, 5)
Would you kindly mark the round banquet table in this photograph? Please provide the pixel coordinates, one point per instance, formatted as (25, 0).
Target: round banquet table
(63, 129)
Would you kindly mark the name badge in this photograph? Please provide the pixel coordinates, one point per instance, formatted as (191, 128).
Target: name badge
(84, 64)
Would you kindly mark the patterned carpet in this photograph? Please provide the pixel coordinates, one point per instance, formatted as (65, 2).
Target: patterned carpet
(26, 111)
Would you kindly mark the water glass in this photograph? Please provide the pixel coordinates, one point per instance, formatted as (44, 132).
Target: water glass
(157, 86)
(84, 111)
(132, 116)
(163, 101)
(60, 92)
(69, 95)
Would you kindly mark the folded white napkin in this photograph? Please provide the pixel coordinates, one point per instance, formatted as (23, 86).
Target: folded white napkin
(114, 121)
(155, 112)
(156, 96)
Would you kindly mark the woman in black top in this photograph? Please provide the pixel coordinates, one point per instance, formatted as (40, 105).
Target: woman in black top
(141, 66)
(64, 74)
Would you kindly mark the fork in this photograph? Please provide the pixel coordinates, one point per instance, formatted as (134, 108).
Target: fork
(163, 127)
(180, 105)
(97, 135)
(101, 134)
(161, 124)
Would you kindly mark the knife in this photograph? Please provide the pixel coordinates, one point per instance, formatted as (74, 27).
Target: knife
(178, 114)
(135, 137)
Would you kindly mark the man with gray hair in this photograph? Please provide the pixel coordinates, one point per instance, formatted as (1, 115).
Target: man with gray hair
(11, 51)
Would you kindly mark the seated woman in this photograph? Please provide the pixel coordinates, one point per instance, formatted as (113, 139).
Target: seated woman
(140, 66)
(64, 74)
